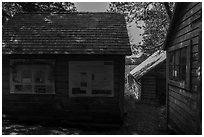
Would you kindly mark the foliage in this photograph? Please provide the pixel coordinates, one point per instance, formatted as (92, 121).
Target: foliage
(155, 21)
(9, 9)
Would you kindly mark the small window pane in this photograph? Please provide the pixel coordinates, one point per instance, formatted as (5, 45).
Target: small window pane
(183, 56)
(170, 72)
(27, 88)
(16, 77)
(39, 76)
(18, 88)
(26, 77)
(177, 57)
(183, 64)
(49, 89)
(171, 60)
(171, 65)
(176, 73)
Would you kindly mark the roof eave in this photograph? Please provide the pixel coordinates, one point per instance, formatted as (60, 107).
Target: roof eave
(171, 27)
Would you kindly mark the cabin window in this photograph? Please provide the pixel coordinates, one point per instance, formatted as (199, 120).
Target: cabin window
(178, 66)
(90, 78)
(32, 77)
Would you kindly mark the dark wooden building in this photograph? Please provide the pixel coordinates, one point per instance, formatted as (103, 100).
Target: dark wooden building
(65, 67)
(151, 76)
(184, 54)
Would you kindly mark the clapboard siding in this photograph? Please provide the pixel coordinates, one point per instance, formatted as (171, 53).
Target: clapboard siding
(95, 109)
(185, 106)
(5, 75)
(183, 111)
(149, 86)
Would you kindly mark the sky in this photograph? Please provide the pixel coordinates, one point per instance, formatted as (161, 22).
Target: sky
(92, 6)
(133, 31)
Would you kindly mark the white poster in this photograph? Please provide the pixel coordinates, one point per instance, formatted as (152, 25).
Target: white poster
(90, 78)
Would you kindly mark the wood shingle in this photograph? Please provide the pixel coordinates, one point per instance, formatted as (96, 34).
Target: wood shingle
(66, 33)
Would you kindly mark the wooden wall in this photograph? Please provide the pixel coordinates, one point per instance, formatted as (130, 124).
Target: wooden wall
(184, 111)
(60, 105)
(149, 86)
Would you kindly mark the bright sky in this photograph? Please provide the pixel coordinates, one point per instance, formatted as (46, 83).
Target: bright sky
(92, 6)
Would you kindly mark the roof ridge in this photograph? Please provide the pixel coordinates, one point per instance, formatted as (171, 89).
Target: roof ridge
(70, 13)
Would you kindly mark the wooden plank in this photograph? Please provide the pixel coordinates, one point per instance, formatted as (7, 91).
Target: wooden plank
(185, 44)
(194, 70)
(187, 102)
(184, 117)
(190, 6)
(199, 90)
(194, 86)
(195, 47)
(182, 92)
(61, 86)
(186, 29)
(167, 87)
(195, 80)
(184, 108)
(188, 120)
(195, 56)
(178, 121)
(121, 84)
(178, 115)
(195, 13)
(192, 34)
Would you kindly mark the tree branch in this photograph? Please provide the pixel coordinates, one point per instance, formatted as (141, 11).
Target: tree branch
(168, 11)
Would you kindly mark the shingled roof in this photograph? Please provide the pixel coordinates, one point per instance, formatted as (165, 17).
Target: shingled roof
(66, 33)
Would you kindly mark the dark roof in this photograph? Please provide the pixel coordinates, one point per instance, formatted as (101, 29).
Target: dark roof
(66, 33)
(151, 62)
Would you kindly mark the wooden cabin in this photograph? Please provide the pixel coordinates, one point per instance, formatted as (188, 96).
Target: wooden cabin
(150, 77)
(67, 67)
(184, 65)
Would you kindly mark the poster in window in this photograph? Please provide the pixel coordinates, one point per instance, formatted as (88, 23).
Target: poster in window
(91, 78)
(26, 76)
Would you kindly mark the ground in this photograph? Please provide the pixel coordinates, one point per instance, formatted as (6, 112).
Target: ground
(142, 119)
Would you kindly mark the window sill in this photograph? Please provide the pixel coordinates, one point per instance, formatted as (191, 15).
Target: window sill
(179, 84)
(91, 96)
(33, 93)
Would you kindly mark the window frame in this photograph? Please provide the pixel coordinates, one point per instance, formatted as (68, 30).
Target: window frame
(173, 50)
(37, 63)
(89, 92)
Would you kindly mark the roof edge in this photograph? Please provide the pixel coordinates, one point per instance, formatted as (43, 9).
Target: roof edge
(70, 13)
(170, 29)
(151, 69)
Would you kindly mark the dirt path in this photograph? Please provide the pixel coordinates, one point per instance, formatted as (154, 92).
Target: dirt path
(140, 119)
(145, 119)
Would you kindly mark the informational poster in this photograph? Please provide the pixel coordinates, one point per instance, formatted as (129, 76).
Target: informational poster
(90, 78)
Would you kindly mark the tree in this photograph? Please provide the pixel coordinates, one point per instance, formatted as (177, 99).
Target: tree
(155, 17)
(9, 9)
